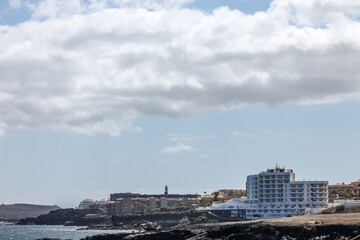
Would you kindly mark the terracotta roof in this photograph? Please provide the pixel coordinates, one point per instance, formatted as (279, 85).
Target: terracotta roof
(341, 185)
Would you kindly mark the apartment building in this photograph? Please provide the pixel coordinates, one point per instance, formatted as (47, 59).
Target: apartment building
(275, 193)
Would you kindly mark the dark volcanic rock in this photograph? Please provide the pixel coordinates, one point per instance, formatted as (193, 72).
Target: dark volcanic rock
(65, 216)
(329, 232)
(153, 221)
(338, 227)
(117, 236)
(52, 239)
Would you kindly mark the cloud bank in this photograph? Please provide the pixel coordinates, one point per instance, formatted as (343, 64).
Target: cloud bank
(178, 148)
(93, 66)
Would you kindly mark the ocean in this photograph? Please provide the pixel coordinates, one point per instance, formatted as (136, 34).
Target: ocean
(33, 232)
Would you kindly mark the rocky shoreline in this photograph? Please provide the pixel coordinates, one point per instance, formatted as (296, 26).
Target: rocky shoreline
(196, 226)
(326, 227)
(95, 220)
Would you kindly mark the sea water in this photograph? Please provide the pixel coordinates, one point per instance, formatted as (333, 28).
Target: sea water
(33, 232)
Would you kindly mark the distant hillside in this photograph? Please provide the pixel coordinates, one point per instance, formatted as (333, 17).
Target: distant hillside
(19, 211)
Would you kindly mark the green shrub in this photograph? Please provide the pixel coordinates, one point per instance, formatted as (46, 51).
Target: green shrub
(340, 208)
(326, 211)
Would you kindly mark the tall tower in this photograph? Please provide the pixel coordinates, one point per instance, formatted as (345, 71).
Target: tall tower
(166, 191)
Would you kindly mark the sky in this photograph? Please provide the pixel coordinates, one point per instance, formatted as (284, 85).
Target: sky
(103, 96)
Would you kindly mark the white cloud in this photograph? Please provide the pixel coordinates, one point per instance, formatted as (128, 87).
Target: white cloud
(187, 137)
(178, 148)
(14, 3)
(92, 68)
(2, 132)
(61, 8)
(137, 129)
(239, 134)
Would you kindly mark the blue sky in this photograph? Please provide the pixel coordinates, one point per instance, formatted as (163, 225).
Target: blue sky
(99, 97)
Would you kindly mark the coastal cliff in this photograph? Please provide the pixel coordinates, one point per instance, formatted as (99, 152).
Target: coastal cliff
(326, 227)
(20, 210)
(69, 216)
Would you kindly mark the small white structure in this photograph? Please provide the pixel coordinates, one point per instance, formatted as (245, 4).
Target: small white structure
(347, 202)
(84, 204)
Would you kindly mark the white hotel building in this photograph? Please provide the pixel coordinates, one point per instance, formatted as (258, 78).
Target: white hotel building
(275, 193)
